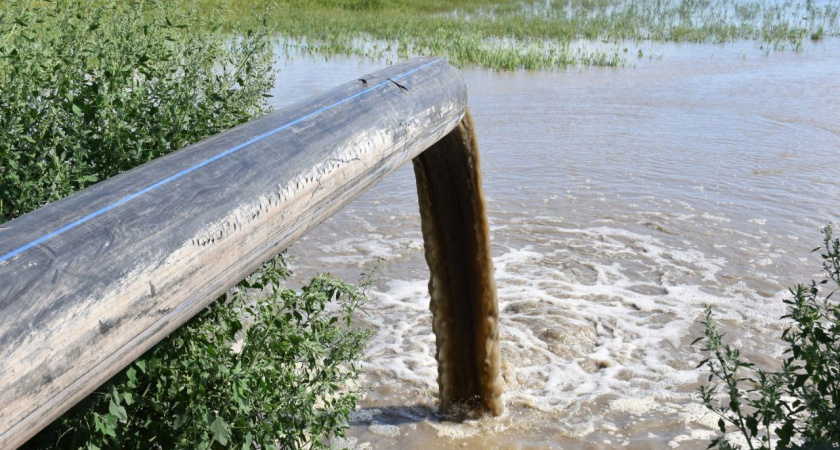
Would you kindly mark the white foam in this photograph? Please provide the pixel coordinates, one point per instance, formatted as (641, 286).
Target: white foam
(633, 405)
(385, 430)
(695, 413)
(454, 430)
(586, 314)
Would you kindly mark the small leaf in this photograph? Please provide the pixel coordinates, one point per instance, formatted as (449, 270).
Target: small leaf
(752, 424)
(180, 420)
(784, 432)
(235, 327)
(221, 431)
(88, 179)
(821, 336)
(118, 411)
(106, 425)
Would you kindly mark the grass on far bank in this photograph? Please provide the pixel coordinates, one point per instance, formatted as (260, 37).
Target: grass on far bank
(509, 34)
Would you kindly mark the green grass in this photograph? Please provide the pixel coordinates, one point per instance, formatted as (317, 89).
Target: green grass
(509, 34)
(505, 34)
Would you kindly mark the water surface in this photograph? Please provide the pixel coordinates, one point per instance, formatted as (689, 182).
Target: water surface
(621, 201)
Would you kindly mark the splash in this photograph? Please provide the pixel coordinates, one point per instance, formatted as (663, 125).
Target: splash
(463, 292)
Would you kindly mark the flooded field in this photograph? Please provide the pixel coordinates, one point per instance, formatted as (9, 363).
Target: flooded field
(621, 201)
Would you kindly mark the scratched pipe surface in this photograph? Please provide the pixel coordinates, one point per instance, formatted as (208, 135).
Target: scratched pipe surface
(89, 283)
(465, 311)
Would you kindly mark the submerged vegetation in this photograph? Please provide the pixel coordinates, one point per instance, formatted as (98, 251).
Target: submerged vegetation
(509, 34)
(91, 88)
(797, 406)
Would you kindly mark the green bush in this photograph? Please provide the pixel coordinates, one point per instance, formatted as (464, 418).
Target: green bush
(797, 406)
(247, 373)
(91, 88)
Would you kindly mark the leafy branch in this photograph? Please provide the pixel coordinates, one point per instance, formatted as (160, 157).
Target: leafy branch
(797, 406)
(263, 367)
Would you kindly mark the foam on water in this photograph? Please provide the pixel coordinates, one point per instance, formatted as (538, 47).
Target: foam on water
(595, 330)
(621, 202)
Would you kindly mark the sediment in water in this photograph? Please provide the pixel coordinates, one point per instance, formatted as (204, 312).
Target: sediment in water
(463, 291)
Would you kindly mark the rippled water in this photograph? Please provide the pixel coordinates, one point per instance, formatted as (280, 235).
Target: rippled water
(621, 201)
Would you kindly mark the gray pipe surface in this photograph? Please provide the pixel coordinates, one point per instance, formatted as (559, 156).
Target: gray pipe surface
(90, 282)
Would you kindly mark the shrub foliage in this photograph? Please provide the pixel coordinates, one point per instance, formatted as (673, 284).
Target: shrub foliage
(797, 406)
(264, 371)
(91, 88)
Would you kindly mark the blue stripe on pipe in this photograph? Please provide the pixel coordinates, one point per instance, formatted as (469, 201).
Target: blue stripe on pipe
(180, 174)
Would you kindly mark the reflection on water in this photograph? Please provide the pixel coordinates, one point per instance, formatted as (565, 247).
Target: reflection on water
(621, 201)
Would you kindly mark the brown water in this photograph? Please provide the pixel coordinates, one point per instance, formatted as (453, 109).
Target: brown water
(620, 202)
(462, 290)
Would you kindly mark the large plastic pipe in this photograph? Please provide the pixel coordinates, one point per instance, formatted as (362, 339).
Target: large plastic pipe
(90, 282)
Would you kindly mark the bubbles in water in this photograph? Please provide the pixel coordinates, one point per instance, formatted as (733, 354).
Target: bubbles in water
(617, 213)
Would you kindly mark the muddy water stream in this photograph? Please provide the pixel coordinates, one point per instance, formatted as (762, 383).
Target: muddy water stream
(462, 285)
(620, 202)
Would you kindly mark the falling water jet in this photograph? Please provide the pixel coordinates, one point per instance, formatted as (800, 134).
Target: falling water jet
(463, 292)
